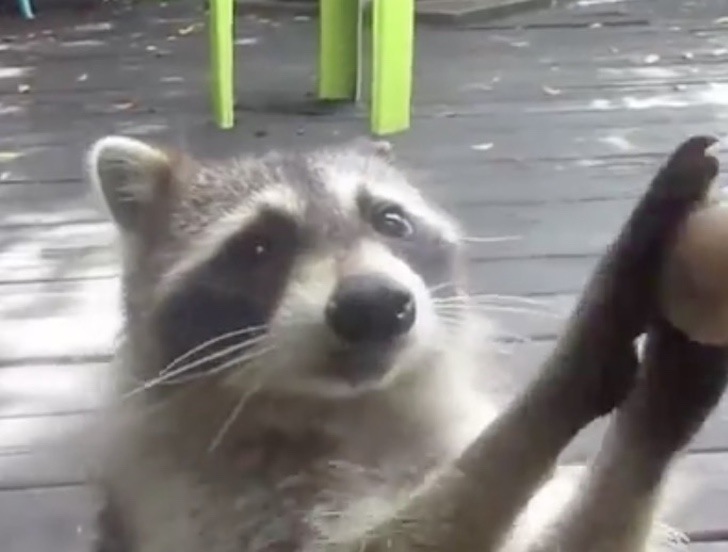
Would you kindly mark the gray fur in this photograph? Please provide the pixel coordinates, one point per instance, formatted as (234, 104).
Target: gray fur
(407, 462)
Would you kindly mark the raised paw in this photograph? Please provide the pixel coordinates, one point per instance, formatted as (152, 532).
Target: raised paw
(688, 173)
(682, 383)
(629, 275)
(623, 295)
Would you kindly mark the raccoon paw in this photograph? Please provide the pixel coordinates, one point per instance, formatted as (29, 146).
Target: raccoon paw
(624, 297)
(630, 274)
(682, 383)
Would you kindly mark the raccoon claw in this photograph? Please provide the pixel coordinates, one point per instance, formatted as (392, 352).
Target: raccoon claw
(689, 171)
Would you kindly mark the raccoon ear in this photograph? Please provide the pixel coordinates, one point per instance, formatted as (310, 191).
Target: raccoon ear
(129, 174)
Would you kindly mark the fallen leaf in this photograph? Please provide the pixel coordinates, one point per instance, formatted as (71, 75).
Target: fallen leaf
(189, 29)
(124, 106)
(551, 91)
(485, 146)
(6, 156)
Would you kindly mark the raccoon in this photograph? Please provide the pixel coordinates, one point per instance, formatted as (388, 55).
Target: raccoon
(303, 368)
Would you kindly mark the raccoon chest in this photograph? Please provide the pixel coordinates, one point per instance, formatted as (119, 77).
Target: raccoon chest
(302, 512)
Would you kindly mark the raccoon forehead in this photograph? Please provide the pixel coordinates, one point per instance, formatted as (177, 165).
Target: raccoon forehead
(333, 180)
(236, 190)
(347, 175)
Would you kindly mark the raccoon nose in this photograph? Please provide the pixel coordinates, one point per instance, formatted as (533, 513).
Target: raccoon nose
(370, 308)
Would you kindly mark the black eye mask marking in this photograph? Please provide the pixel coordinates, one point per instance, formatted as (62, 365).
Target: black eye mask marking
(238, 288)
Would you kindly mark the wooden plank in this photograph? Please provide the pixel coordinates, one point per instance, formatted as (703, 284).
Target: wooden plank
(48, 520)
(37, 469)
(76, 320)
(459, 188)
(42, 434)
(697, 493)
(70, 251)
(43, 390)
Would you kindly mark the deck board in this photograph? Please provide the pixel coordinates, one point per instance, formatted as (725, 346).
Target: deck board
(546, 130)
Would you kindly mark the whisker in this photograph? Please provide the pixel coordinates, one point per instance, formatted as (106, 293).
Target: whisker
(215, 355)
(232, 417)
(440, 286)
(163, 378)
(493, 297)
(252, 355)
(483, 306)
(499, 335)
(490, 239)
(209, 342)
(498, 308)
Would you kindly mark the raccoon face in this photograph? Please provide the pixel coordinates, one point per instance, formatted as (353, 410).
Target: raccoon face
(305, 273)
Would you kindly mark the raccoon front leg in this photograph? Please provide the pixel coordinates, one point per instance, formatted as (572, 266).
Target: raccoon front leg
(682, 382)
(685, 369)
(472, 507)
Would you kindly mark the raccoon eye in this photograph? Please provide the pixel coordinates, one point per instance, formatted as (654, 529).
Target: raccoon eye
(390, 220)
(257, 249)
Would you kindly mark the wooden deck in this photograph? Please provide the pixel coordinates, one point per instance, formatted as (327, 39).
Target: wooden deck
(545, 126)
